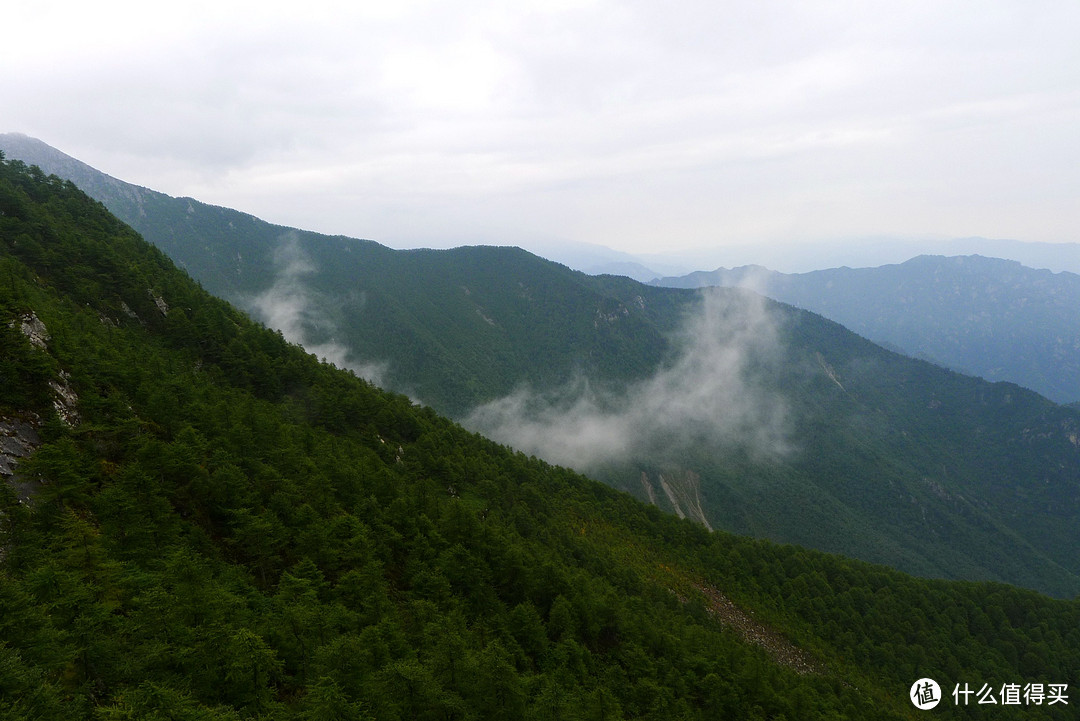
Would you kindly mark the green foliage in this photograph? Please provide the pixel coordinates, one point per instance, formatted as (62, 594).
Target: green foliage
(234, 530)
(892, 460)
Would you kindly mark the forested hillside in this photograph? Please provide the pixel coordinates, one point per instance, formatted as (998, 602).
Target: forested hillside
(217, 526)
(745, 415)
(450, 328)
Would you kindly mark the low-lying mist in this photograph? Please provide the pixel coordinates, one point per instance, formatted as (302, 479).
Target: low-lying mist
(292, 307)
(712, 393)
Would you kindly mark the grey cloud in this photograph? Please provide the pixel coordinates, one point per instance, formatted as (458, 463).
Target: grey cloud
(702, 123)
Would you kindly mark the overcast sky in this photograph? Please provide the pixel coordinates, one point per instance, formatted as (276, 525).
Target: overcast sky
(636, 125)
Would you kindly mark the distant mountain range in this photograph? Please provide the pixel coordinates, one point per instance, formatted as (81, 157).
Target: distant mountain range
(744, 414)
(988, 317)
(865, 252)
(200, 521)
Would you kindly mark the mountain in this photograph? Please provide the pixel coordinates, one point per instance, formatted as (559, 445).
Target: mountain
(474, 333)
(989, 317)
(211, 524)
(865, 251)
(743, 414)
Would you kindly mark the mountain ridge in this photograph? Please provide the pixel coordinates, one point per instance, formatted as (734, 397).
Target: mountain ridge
(984, 316)
(233, 530)
(896, 461)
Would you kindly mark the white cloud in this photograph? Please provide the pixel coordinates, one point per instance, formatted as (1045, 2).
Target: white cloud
(288, 307)
(712, 393)
(630, 124)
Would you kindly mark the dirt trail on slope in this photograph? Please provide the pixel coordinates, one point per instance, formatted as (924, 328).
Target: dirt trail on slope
(781, 650)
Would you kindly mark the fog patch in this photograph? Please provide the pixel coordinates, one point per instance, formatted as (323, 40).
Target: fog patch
(292, 307)
(713, 393)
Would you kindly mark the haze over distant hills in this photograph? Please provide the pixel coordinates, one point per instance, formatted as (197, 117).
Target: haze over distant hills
(993, 318)
(592, 258)
(212, 525)
(863, 252)
(744, 414)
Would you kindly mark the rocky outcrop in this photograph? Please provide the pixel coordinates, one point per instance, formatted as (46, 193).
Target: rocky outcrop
(32, 327)
(754, 632)
(65, 400)
(162, 306)
(683, 490)
(18, 439)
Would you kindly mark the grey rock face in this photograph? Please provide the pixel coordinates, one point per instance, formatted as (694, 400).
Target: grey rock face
(18, 439)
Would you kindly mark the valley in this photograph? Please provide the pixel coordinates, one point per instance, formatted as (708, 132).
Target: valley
(228, 528)
(799, 430)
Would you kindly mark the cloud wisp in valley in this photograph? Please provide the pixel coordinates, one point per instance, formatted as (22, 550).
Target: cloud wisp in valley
(290, 306)
(712, 393)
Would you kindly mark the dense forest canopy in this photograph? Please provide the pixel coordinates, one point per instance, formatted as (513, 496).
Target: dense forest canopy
(889, 459)
(227, 528)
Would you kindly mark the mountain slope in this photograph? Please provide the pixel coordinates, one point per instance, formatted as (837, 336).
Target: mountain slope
(989, 317)
(473, 335)
(223, 528)
(745, 415)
